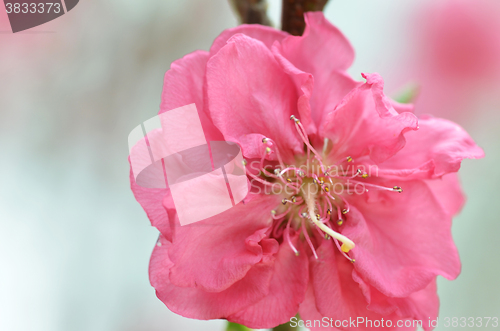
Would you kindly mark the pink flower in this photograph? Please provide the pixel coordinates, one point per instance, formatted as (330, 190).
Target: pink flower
(456, 56)
(338, 238)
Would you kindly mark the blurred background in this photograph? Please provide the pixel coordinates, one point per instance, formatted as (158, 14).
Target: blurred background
(75, 245)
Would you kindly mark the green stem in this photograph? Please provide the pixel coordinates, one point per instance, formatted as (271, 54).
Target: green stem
(236, 327)
(284, 327)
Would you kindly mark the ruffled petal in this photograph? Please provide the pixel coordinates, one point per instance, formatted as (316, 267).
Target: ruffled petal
(403, 241)
(422, 305)
(286, 291)
(365, 123)
(437, 148)
(249, 93)
(265, 34)
(215, 253)
(197, 303)
(184, 84)
(337, 296)
(319, 57)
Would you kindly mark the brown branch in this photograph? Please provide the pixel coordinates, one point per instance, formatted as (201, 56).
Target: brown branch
(251, 11)
(292, 15)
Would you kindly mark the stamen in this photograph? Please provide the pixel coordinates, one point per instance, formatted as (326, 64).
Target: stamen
(306, 235)
(287, 236)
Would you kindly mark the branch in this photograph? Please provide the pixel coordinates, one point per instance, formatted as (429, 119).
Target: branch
(292, 15)
(251, 11)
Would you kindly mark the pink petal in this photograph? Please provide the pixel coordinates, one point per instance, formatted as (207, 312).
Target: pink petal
(437, 148)
(335, 293)
(448, 191)
(215, 253)
(319, 57)
(403, 241)
(249, 93)
(422, 305)
(265, 34)
(365, 123)
(286, 291)
(195, 302)
(183, 85)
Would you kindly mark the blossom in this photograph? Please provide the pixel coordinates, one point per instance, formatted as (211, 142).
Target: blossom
(352, 195)
(456, 56)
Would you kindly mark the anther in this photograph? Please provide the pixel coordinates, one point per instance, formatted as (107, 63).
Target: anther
(268, 150)
(340, 222)
(277, 171)
(397, 189)
(284, 201)
(294, 199)
(301, 173)
(345, 211)
(288, 180)
(265, 140)
(327, 237)
(273, 212)
(365, 176)
(326, 189)
(244, 162)
(353, 260)
(318, 217)
(304, 214)
(349, 159)
(328, 211)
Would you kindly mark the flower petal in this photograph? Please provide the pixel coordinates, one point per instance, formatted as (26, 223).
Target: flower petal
(265, 34)
(183, 85)
(403, 241)
(195, 302)
(437, 148)
(319, 57)
(365, 123)
(286, 291)
(336, 295)
(217, 252)
(249, 93)
(422, 305)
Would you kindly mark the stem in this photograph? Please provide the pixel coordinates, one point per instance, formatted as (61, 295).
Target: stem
(292, 15)
(284, 327)
(236, 327)
(251, 11)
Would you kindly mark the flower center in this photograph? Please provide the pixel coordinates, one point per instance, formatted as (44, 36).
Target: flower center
(313, 192)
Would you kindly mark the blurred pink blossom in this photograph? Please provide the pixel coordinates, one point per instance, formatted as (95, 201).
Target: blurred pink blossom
(457, 55)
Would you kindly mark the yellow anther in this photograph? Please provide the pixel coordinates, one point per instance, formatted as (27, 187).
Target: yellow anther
(340, 222)
(288, 180)
(397, 189)
(273, 212)
(294, 199)
(265, 140)
(365, 176)
(349, 159)
(318, 217)
(327, 189)
(345, 211)
(284, 201)
(328, 211)
(244, 162)
(268, 150)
